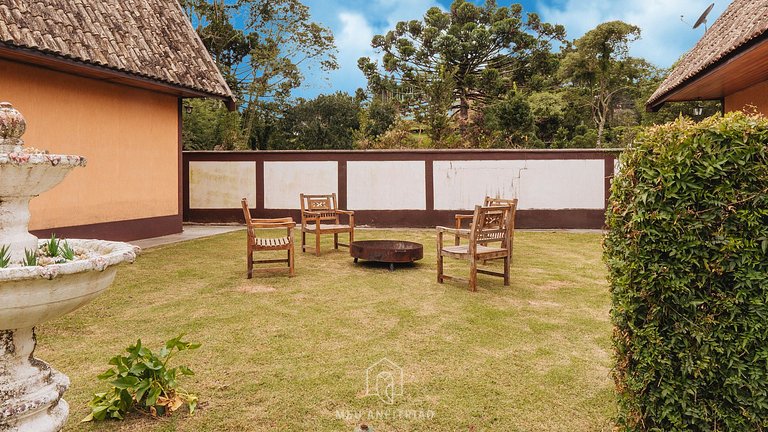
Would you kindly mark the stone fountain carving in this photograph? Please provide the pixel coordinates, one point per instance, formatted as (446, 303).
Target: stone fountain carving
(30, 390)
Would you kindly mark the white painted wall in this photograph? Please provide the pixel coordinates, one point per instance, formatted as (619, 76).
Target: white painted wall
(538, 184)
(400, 185)
(284, 181)
(386, 185)
(220, 185)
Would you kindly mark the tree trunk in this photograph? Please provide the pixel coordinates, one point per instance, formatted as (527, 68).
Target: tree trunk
(600, 130)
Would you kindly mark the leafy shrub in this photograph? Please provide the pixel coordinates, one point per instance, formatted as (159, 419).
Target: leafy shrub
(397, 137)
(143, 379)
(687, 253)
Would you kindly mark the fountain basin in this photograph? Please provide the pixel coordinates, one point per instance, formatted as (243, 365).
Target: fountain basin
(32, 295)
(30, 174)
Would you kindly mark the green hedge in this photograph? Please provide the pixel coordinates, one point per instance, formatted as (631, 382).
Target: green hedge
(686, 250)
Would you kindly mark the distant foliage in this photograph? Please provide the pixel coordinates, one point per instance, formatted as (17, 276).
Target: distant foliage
(512, 118)
(210, 126)
(477, 75)
(326, 122)
(687, 250)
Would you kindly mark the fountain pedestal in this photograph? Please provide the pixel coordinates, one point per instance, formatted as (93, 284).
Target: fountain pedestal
(30, 390)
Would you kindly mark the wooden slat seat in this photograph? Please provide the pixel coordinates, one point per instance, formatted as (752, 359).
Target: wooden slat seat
(277, 242)
(463, 250)
(320, 215)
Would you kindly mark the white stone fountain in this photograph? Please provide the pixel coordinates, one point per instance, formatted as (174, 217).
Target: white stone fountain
(30, 390)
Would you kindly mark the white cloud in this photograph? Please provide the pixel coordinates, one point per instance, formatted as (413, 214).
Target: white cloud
(664, 36)
(354, 38)
(353, 41)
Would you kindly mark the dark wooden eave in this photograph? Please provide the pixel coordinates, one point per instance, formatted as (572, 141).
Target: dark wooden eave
(75, 67)
(743, 68)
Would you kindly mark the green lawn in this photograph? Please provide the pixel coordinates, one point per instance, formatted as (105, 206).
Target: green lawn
(284, 354)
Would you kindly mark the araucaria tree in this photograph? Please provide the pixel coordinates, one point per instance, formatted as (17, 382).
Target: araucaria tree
(599, 65)
(485, 49)
(262, 47)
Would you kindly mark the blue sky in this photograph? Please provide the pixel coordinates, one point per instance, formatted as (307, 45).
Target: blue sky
(665, 37)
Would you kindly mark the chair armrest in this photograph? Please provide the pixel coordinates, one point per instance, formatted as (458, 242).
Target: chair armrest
(463, 216)
(442, 229)
(350, 214)
(273, 223)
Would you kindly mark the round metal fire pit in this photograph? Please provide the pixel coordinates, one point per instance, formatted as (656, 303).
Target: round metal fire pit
(386, 251)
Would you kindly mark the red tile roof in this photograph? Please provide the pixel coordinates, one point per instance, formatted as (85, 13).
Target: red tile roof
(742, 21)
(150, 39)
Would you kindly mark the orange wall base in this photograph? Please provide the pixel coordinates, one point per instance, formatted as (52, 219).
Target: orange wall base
(129, 136)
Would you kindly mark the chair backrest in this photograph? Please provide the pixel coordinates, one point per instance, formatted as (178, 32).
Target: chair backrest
(512, 203)
(490, 201)
(247, 215)
(491, 224)
(324, 204)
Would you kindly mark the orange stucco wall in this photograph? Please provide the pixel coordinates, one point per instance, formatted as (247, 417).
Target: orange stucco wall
(757, 96)
(128, 135)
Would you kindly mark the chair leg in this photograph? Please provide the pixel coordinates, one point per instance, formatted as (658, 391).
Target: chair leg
(507, 260)
(303, 241)
(335, 240)
(250, 264)
(317, 244)
(473, 275)
(291, 271)
(351, 236)
(439, 267)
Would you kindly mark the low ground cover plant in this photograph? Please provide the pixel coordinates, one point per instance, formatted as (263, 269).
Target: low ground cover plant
(143, 380)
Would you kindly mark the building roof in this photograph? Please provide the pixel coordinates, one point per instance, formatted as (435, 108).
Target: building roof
(743, 23)
(148, 39)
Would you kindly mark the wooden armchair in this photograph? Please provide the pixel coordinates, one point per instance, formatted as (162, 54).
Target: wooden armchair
(489, 201)
(320, 215)
(256, 244)
(490, 224)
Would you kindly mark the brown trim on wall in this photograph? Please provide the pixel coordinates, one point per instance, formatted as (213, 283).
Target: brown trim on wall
(69, 66)
(342, 182)
(126, 230)
(185, 186)
(398, 155)
(429, 180)
(260, 179)
(525, 219)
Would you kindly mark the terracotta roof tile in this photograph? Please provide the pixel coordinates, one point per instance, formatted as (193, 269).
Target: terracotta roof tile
(741, 22)
(150, 39)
